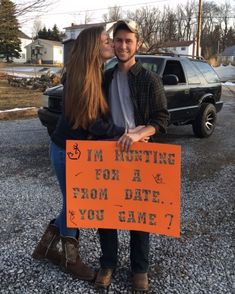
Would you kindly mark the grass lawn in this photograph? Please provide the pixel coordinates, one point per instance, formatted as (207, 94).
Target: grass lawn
(14, 97)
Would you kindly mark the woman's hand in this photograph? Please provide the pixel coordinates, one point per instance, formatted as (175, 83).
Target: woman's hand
(138, 134)
(127, 140)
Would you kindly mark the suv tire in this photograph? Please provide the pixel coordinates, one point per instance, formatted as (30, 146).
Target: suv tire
(204, 123)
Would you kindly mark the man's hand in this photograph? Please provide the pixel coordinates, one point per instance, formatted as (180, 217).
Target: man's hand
(134, 130)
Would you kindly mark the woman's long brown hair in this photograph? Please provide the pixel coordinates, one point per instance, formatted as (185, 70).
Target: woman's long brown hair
(84, 98)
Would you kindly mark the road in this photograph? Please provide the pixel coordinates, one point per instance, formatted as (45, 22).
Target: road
(201, 261)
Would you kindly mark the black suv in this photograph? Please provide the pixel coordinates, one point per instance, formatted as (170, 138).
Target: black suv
(192, 87)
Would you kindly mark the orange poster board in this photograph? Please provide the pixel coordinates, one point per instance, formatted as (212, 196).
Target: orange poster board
(135, 190)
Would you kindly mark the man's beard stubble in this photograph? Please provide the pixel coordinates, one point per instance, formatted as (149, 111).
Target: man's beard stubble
(126, 60)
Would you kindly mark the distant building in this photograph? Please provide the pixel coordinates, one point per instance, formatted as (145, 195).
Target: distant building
(74, 30)
(177, 47)
(45, 51)
(227, 56)
(25, 40)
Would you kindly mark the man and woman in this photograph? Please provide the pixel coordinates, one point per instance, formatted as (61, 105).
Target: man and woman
(134, 99)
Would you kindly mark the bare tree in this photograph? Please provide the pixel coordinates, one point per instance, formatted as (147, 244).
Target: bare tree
(210, 23)
(114, 14)
(190, 21)
(147, 20)
(185, 20)
(28, 6)
(37, 26)
(210, 16)
(169, 24)
(224, 11)
(158, 26)
(87, 17)
(181, 24)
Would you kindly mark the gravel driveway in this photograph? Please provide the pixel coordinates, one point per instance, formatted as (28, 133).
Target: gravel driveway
(200, 261)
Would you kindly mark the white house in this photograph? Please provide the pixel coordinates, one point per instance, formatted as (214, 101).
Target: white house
(25, 40)
(179, 47)
(45, 51)
(227, 56)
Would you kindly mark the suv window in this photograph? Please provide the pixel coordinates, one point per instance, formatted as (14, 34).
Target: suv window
(152, 64)
(175, 67)
(207, 71)
(191, 73)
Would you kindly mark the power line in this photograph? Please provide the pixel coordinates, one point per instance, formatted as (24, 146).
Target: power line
(105, 8)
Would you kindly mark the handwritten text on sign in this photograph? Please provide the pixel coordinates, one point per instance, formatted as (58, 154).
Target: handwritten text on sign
(135, 190)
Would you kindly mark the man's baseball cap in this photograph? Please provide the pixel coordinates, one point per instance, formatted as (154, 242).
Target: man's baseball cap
(130, 24)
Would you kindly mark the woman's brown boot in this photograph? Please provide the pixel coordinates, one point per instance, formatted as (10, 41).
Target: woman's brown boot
(47, 246)
(72, 262)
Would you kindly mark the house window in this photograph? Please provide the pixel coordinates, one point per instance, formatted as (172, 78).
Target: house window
(183, 48)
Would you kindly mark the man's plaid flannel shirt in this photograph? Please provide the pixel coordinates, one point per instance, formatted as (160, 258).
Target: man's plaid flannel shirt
(147, 94)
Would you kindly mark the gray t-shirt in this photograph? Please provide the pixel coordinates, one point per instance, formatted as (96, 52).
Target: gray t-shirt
(121, 106)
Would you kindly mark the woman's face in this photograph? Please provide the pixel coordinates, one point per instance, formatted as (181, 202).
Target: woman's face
(106, 47)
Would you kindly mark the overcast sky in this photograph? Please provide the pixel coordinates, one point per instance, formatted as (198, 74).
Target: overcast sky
(65, 12)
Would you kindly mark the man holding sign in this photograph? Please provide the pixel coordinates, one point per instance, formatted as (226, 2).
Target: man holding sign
(136, 97)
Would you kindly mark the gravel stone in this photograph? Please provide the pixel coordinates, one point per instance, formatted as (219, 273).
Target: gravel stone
(201, 261)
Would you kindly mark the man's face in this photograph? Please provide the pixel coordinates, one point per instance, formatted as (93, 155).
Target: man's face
(125, 46)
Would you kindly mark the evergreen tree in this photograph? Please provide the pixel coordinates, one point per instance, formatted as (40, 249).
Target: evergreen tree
(229, 38)
(56, 33)
(42, 34)
(49, 34)
(9, 31)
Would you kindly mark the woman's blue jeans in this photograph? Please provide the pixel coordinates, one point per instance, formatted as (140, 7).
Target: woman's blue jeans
(58, 156)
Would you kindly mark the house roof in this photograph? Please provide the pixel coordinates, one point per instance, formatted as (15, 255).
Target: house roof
(68, 41)
(175, 44)
(23, 35)
(44, 41)
(84, 26)
(229, 51)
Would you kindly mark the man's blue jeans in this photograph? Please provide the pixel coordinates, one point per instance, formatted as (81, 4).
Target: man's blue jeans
(139, 250)
(58, 156)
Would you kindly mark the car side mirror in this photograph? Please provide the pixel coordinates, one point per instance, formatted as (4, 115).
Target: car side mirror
(170, 79)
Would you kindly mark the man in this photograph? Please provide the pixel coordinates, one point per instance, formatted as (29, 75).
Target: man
(136, 98)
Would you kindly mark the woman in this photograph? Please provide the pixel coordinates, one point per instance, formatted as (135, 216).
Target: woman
(85, 116)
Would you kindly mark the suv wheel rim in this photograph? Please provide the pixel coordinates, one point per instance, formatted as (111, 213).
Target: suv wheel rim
(209, 123)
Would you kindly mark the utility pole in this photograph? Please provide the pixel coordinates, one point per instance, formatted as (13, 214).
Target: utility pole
(199, 28)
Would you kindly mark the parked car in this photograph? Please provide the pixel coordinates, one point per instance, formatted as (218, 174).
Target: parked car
(192, 88)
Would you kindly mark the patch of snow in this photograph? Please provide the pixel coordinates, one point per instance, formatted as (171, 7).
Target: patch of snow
(17, 109)
(229, 84)
(225, 73)
(28, 72)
